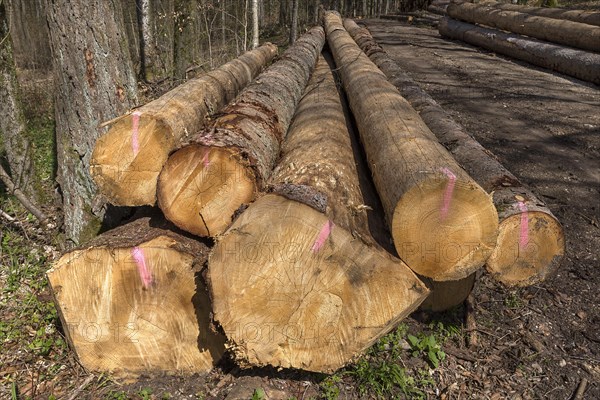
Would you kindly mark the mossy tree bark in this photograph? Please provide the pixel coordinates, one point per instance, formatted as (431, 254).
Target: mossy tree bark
(95, 82)
(132, 301)
(205, 182)
(444, 225)
(297, 281)
(531, 239)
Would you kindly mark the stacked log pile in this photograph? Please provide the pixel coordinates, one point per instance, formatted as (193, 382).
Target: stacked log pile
(274, 184)
(567, 42)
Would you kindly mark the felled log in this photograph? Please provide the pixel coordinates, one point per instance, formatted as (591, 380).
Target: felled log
(582, 16)
(576, 63)
(413, 19)
(127, 159)
(531, 239)
(297, 281)
(568, 33)
(205, 182)
(132, 301)
(447, 294)
(443, 224)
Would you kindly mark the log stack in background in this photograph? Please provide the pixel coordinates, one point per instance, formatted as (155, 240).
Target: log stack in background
(562, 45)
(582, 16)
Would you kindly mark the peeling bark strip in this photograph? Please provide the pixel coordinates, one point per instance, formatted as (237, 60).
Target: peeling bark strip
(244, 144)
(127, 174)
(568, 33)
(131, 302)
(295, 287)
(577, 63)
(91, 63)
(407, 164)
(531, 240)
(582, 16)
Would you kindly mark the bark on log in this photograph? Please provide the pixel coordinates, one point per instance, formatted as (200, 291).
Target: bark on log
(443, 224)
(512, 262)
(568, 33)
(447, 294)
(128, 159)
(580, 64)
(132, 301)
(297, 281)
(204, 183)
(582, 16)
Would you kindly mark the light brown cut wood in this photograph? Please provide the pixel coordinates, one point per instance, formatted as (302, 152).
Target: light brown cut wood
(297, 281)
(531, 240)
(132, 301)
(589, 17)
(443, 224)
(128, 158)
(568, 33)
(202, 198)
(580, 64)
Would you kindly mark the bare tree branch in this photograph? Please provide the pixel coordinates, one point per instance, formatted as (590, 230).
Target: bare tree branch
(28, 204)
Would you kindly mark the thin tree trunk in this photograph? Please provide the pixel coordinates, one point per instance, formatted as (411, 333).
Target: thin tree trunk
(91, 87)
(255, 33)
(294, 22)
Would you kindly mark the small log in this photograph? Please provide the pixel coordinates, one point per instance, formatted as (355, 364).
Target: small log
(576, 63)
(523, 216)
(205, 182)
(297, 281)
(443, 224)
(127, 159)
(447, 294)
(582, 16)
(132, 301)
(568, 33)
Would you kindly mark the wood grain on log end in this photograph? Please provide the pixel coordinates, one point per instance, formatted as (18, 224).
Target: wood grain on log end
(201, 187)
(293, 290)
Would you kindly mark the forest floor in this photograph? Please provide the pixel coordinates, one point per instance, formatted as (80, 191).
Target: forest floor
(537, 342)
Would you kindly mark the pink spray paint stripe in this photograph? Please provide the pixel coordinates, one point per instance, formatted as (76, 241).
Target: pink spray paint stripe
(205, 159)
(135, 145)
(447, 193)
(140, 260)
(524, 237)
(323, 235)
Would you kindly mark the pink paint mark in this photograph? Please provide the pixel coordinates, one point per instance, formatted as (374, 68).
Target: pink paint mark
(205, 159)
(524, 237)
(323, 235)
(140, 260)
(135, 145)
(448, 193)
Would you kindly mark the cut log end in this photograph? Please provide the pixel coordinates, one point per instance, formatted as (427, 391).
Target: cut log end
(127, 160)
(445, 229)
(530, 248)
(136, 309)
(201, 187)
(292, 290)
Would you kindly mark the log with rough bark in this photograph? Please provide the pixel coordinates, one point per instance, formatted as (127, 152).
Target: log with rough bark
(447, 294)
(128, 159)
(576, 63)
(443, 224)
(132, 301)
(583, 16)
(205, 182)
(297, 280)
(568, 33)
(531, 240)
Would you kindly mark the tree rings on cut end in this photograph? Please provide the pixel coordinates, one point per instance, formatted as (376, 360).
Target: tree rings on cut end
(530, 247)
(201, 188)
(127, 160)
(445, 229)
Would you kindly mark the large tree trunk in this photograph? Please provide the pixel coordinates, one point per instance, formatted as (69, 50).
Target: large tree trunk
(582, 16)
(568, 33)
(188, 45)
(132, 30)
(127, 160)
(203, 184)
(513, 261)
(443, 224)
(29, 33)
(14, 144)
(297, 287)
(94, 83)
(132, 301)
(577, 63)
